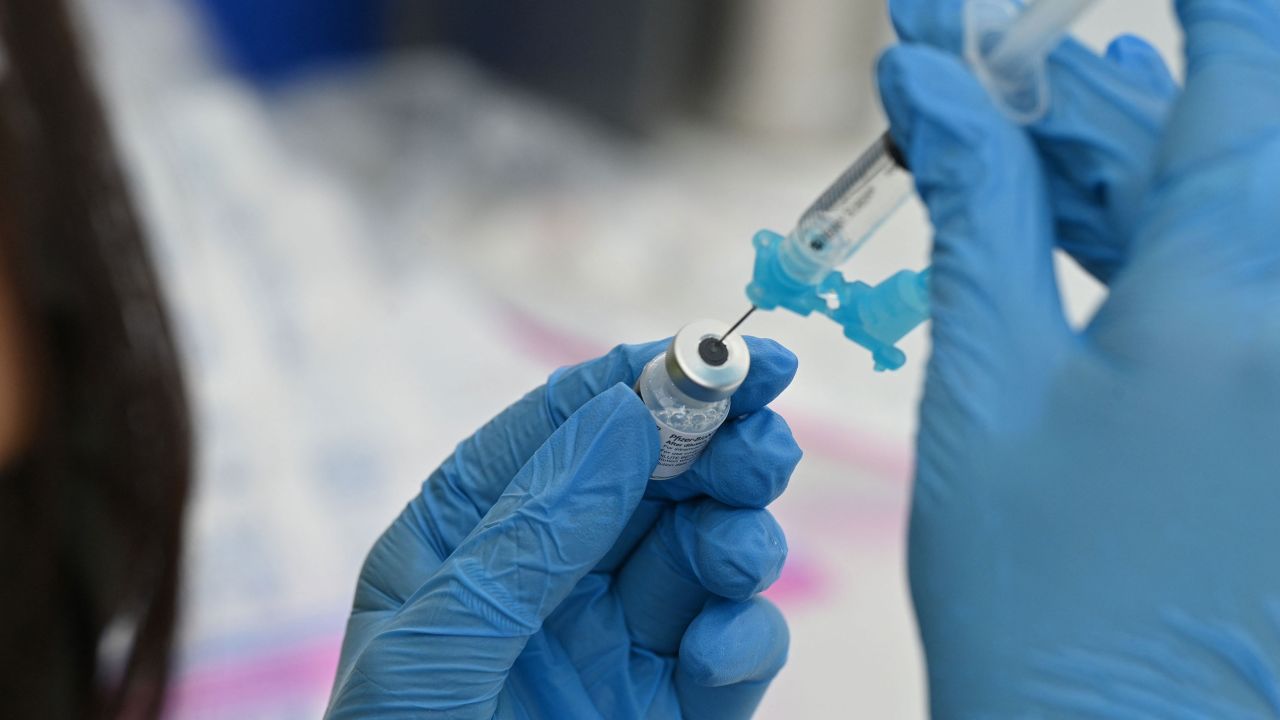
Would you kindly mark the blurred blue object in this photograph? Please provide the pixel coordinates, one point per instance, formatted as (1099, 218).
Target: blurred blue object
(878, 317)
(1090, 506)
(773, 286)
(274, 41)
(627, 63)
(874, 317)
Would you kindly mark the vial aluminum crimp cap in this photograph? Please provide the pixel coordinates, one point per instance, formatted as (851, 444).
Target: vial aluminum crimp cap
(702, 367)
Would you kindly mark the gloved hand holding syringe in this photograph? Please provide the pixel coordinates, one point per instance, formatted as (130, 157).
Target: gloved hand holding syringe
(1006, 47)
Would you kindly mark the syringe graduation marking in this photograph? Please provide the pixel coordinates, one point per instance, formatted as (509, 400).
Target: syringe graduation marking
(855, 177)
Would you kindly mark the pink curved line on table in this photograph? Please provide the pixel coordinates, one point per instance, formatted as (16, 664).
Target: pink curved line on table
(840, 443)
(801, 582)
(293, 672)
(543, 342)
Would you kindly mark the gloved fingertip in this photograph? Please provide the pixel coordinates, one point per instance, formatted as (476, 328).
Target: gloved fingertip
(750, 462)
(739, 552)
(890, 71)
(933, 22)
(782, 362)
(570, 387)
(734, 642)
(773, 367)
(1129, 48)
(921, 86)
(1142, 62)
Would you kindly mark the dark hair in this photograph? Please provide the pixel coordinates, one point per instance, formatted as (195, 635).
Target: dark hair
(91, 516)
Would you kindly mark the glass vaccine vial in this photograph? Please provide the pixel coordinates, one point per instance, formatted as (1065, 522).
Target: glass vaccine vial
(687, 389)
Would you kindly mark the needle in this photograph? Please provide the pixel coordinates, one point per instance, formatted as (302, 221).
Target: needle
(740, 321)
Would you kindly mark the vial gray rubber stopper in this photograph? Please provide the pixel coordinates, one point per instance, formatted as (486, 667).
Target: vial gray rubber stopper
(693, 366)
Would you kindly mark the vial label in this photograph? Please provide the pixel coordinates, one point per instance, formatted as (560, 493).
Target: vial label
(678, 452)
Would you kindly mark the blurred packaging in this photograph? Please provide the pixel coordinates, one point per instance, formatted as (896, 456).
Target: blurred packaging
(802, 67)
(273, 41)
(629, 63)
(793, 66)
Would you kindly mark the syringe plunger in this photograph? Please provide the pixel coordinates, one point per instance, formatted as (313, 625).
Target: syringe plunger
(1007, 46)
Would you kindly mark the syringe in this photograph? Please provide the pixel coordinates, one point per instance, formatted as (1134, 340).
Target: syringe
(1007, 48)
(789, 269)
(797, 272)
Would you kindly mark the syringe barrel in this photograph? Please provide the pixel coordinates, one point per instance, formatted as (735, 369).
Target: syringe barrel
(841, 196)
(847, 214)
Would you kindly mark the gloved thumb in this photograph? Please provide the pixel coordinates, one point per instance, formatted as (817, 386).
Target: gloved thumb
(452, 644)
(995, 300)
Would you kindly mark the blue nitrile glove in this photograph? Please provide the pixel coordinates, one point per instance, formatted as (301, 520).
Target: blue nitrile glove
(1096, 513)
(1099, 138)
(540, 574)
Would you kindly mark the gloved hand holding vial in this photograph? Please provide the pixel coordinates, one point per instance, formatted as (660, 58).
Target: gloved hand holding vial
(572, 584)
(1095, 508)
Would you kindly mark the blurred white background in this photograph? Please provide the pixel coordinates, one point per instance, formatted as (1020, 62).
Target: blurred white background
(367, 263)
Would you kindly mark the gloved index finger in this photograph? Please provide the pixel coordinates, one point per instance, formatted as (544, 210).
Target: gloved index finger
(469, 482)
(773, 367)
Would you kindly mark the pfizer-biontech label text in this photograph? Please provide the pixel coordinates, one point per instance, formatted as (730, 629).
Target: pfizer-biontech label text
(678, 452)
